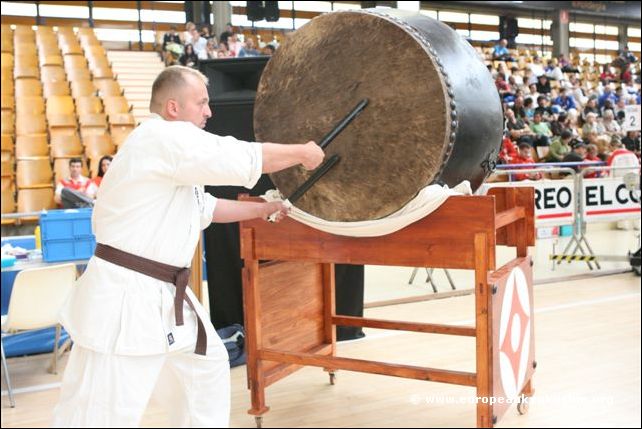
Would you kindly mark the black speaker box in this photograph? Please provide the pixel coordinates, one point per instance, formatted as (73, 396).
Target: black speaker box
(255, 10)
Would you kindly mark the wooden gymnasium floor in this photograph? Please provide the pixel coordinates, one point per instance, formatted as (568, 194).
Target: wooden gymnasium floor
(588, 374)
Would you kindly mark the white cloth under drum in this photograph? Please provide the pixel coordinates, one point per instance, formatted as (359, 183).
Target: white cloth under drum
(427, 201)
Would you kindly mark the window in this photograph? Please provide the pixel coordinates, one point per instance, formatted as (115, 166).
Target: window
(533, 39)
(607, 44)
(59, 11)
(581, 43)
(581, 27)
(533, 23)
(446, 16)
(345, 6)
(172, 16)
(313, 6)
(484, 19)
(409, 5)
(606, 29)
(115, 14)
(633, 31)
(18, 9)
(484, 35)
(114, 35)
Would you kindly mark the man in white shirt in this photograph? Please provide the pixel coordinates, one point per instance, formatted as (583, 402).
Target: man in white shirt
(76, 181)
(200, 45)
(126, 327)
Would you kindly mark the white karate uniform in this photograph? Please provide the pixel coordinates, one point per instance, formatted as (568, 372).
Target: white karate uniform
(150, 203)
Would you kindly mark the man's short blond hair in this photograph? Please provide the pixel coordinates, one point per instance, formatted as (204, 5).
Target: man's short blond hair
(170, 80)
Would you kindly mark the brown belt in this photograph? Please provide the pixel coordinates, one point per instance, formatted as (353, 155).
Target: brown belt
(163, 272)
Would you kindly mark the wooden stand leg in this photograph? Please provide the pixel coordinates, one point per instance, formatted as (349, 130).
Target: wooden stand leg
(256, 380)
(483, 320)
(330, 333)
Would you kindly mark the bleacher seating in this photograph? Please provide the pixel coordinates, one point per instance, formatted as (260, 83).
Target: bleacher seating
(58, 89)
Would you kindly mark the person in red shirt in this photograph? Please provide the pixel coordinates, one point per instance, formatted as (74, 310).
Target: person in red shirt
(75, 181)
(508, 152)
(103, 165)
(524, 157)
(591, 155)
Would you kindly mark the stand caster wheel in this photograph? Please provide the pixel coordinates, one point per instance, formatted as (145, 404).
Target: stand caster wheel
(259, 421)
(333, 378)
(522, 406)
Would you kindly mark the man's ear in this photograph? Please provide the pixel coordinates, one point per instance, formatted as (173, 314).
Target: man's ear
(172, 108)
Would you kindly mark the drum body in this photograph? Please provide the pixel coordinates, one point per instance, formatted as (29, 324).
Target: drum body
(434, 114)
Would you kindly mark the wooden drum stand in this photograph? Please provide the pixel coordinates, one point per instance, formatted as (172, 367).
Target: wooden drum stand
(289, 302)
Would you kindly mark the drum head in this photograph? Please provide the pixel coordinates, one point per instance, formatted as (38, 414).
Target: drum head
(392, 150)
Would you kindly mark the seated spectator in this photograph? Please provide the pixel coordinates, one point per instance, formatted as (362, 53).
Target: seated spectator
(565, 100)
(626, 76)
(577, 154)
(592, 125)
(211, 49)
(517, 129)
(187, 34)
(516, 76)
(632, 142)
(611, 127)
(593, 156)
(607, 75)
(234, 45)
(189, 57)
(532, 92)
(560, 147)
(229, 30)
(609, 106)
(529, 111)
(249, 50)
(103, 166)
(572, 123)
(223, 52)
(609, 94)
(544, 109)
(199, 44)
(543, 85)
(268, 50)
(502, 86)
(508, 151)
(76, 181)
(518, 107)
(171, 40)
(524, 157)
(560, 124)
(536, 68)
(542, 132)
(627, 56)
(500, 51)
(574, 88)
(205, 33)
(591, 107)
(566, 65)
(553, 71)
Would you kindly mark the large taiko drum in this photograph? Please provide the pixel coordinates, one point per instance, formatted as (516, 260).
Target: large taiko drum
(434, 114)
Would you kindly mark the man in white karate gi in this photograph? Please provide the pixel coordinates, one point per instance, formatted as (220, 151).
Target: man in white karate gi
(150, 211)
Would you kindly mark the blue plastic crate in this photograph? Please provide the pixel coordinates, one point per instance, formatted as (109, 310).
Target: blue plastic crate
(66, 235)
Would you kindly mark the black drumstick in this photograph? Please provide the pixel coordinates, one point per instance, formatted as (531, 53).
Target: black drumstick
(344, 123)
(314, 178)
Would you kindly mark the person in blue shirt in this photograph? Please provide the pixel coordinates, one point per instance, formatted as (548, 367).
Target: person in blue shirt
(565, 101)
(500, 52)
(609, 94)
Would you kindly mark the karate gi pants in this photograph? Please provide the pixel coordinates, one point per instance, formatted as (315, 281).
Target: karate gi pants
(107, 390)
